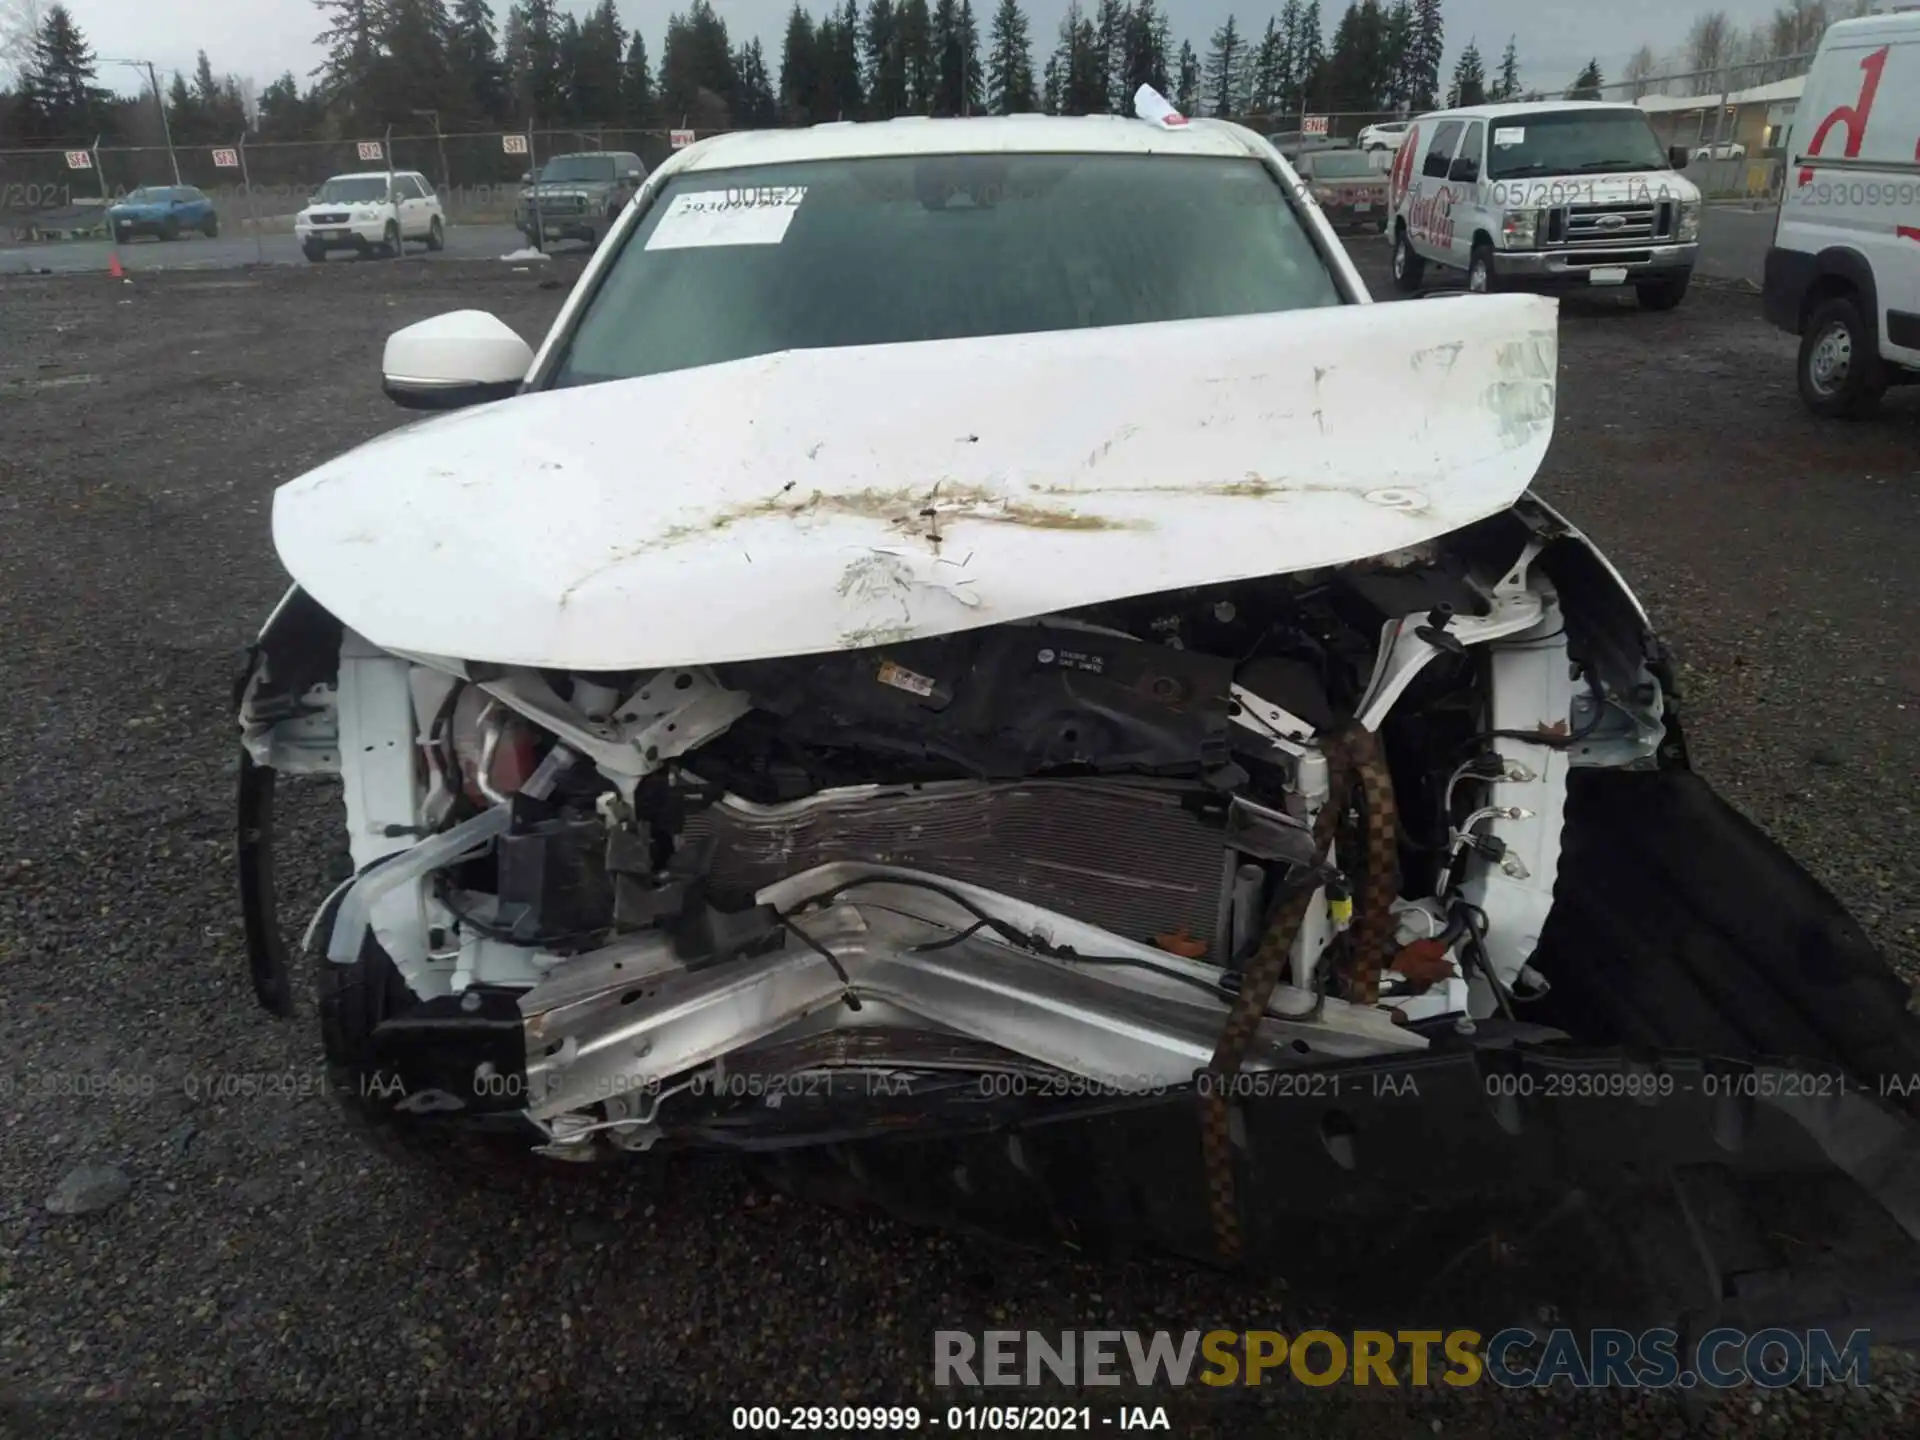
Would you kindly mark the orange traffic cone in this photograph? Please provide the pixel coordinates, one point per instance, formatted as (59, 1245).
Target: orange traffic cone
(113, 265)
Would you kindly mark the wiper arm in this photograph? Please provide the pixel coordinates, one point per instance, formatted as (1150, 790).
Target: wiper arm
(1632, 166)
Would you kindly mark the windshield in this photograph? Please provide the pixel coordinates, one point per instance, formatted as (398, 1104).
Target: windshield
(353, 190)
(1338, 165)
(731, 264)
(146, 195)
(577, 168)
(1569, 142)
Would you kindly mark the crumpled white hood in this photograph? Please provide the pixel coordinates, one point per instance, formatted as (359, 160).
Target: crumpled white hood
(815, 500)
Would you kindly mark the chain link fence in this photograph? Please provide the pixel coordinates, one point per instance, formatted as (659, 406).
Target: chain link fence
(1733, 119)
(46, 192)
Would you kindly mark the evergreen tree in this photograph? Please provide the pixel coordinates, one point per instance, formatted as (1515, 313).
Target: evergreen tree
(285, 113)
(639, 106)
(917, 55)
(1186, 85)
(1009, 61)
(1263, 93)
(1587, 85)
(513, 63)
(1310, 58)
(758, 108)
(348, 74)
(1429, 49)
(183, 113)
(1145, 54)
(1109, 40)
(697, 84)
(1086, 87)
(823, 102)
(1292, 44)
(479, 76)
(1227, 71)
(58, 99)
(566, 63)
(843, 63)
(415, 66)
(535, 78)
(207, 111)
(956, 48)
(1399, 58)
(800, 70)
(1359, 67)
(886, 62)
(598, 75)
(1469, 78)
(1507, 85)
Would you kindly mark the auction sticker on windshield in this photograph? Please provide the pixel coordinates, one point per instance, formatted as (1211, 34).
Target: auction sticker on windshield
(1505, 135)
(756, 215)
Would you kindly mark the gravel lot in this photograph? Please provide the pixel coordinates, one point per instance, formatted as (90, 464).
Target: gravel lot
(264, 1263)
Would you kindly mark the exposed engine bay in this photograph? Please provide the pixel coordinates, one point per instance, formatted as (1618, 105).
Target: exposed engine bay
(1050, 849)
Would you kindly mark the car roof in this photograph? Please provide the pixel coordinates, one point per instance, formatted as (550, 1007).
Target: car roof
(975, 135)
(1527, 107)
(371, 175)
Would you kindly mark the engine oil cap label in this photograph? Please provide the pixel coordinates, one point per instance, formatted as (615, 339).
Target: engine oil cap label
(1073, 660)
(902, 678)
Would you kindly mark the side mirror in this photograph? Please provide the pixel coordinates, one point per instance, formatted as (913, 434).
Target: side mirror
(467, 357)
(1466, 170)
(1677, 156)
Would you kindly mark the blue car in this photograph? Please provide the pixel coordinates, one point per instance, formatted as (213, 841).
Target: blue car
(165, 212)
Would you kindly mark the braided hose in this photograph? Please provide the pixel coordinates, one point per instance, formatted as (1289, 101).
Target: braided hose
(1379, 881)
(1352, 754)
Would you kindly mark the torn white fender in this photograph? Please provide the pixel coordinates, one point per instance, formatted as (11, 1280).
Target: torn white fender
(735, 511)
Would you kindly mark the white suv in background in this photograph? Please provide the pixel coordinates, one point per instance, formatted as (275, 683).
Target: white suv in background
(372, 211)
(1385, 136)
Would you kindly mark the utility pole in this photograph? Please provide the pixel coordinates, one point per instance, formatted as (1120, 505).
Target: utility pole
(166, 126)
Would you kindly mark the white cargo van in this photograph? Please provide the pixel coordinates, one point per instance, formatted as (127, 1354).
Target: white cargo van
(1549, 195)
(1844, 270)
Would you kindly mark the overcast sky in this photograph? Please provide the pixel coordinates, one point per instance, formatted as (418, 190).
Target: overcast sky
(261, 38)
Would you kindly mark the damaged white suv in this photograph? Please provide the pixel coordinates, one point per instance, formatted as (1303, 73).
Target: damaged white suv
(976, 651)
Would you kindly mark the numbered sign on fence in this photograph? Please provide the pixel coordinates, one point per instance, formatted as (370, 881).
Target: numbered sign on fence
(369, 149)
(1313, 125)
(514, 144)
(79, 160)
(680, 139)
(226, 159)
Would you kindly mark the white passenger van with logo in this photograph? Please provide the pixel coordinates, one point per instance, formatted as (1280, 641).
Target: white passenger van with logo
(1844, 270)
(1551, 195)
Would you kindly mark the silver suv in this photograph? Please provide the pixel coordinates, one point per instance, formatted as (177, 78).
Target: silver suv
(577, 197)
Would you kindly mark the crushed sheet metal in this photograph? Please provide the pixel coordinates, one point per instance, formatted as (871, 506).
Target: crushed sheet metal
(827, 499)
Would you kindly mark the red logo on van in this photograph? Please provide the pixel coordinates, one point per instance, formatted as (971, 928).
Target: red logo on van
(1431, 217)
(1402, 173)
(1911, 232)
(1853, 116)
